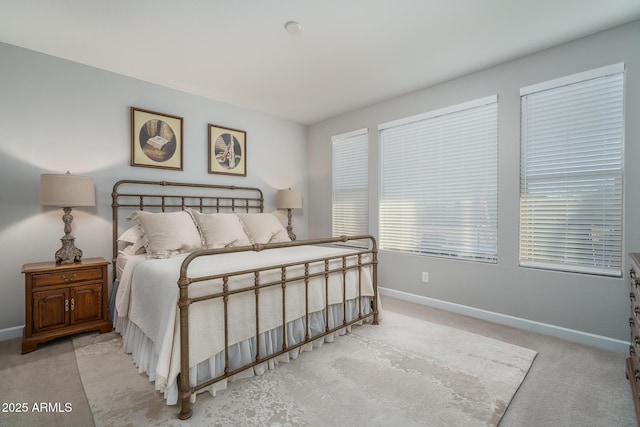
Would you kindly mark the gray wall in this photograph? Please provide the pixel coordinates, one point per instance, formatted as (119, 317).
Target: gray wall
(57, 115)
(580, 302)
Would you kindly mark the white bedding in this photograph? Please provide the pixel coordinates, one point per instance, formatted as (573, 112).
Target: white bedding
(121, 261)
(148, 292)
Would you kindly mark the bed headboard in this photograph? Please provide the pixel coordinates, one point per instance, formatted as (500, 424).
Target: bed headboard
(161, 196)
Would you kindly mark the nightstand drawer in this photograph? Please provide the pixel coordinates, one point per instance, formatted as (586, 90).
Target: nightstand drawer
(68, 277)
(633, 361)
(635, 370)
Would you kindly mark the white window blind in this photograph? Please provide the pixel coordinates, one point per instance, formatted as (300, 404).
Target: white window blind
(351, 184)
(571, 173)
(439, 182)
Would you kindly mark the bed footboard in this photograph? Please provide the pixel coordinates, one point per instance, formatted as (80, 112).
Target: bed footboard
(361, 259)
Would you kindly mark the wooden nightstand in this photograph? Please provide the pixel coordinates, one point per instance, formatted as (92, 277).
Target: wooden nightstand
(65, 299)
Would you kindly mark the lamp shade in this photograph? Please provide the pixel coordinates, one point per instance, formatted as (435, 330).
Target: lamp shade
(66, 190)
(288, 199)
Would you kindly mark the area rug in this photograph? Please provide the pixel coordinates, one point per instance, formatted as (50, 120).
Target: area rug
(404, 372)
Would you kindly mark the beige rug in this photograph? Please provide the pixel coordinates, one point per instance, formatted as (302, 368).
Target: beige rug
(403, 372)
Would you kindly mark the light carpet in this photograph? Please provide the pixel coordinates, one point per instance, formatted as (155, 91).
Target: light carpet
(402, 372)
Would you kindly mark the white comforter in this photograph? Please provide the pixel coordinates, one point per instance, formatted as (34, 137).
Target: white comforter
(148, 294)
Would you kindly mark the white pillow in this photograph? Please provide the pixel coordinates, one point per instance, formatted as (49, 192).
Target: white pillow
(264, 228)
(167, 234)
(219, 230)
(132, 237)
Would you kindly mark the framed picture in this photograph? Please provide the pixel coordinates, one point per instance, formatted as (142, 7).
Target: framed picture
(156, 140)
(227, 151)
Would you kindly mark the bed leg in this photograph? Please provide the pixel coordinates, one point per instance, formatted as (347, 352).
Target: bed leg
(185, 387)
(374, 308)
(185, 415)
(185, 409)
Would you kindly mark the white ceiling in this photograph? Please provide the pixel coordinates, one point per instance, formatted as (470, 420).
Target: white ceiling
(349, 54)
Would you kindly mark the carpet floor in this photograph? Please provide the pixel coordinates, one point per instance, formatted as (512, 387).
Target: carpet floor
(403, 372)
(568, 385)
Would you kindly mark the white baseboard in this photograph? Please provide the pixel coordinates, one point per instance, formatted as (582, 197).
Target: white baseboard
(572, 335)
(11, 333)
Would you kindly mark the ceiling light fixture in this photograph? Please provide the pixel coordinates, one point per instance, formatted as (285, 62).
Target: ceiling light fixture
(293, 27)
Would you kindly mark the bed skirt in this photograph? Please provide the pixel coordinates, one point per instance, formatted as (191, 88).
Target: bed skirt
(241, 354)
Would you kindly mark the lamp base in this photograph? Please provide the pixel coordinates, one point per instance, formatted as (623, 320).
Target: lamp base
(68, 253)
(290, 227)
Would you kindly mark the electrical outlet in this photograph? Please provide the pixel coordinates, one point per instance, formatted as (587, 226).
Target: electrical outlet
(425, 277)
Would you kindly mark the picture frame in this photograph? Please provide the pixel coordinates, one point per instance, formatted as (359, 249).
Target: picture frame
(227, 151)
(156, 140)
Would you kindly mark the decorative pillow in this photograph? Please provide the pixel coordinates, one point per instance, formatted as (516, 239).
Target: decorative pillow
(167, 234)
(264, 228)
(219, 230)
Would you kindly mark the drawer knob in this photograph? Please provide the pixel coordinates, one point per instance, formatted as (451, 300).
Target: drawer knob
(66, 305)
(631, 321)
(69, 279)
(632, 296)
(632, 350)
(73, 307)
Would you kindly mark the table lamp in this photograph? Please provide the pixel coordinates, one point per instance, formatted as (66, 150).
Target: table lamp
(67, 191)
(289, 199)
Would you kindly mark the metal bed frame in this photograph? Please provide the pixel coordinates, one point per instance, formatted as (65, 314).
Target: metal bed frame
(217, 198)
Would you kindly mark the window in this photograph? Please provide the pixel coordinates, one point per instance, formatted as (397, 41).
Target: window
(571, 173)
(351, 184)
(439, 182)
